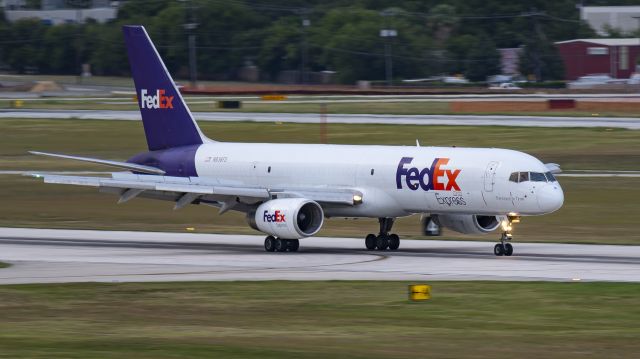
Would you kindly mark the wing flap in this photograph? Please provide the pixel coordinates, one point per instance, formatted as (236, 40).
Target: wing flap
(329, 195)
(129, 186)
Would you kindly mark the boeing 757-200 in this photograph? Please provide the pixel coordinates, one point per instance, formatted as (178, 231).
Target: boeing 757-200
(287, 190)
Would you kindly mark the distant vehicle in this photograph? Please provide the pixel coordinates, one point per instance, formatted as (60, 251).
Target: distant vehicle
(505, 86)
(454, 80)
(597, 79)
(445, 79)
(590, 81)
(287, 190)
(498, 79)
(634, 79)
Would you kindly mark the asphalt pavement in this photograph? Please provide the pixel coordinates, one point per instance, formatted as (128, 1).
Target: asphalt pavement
(54, 256)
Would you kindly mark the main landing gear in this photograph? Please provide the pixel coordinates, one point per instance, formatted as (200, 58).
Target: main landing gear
(273, 244)
(384, 240)
(504, 248)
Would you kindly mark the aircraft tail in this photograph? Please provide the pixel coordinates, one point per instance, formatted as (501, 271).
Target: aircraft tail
(166, 118)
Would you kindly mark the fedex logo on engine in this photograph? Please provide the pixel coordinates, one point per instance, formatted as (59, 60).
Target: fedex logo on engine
(277, 217)
(159, 100)
(432, 178)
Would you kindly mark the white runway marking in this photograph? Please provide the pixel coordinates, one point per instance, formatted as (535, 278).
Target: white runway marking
(451, 120)
(43, 255)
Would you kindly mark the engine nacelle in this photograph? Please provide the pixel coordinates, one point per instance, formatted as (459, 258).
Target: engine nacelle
(469, 223)
(287, 218)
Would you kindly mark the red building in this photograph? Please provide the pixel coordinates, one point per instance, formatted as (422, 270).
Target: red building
(615, 57)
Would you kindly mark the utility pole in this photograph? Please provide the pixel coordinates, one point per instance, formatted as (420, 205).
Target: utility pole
(191, 26)
(388, 34)
(304, 48)
(541, 42)
(637, 18)
(78, 5)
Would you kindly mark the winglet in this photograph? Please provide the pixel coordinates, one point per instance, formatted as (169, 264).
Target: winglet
(553, 168)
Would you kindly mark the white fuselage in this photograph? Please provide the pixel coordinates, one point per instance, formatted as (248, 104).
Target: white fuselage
(394, 180)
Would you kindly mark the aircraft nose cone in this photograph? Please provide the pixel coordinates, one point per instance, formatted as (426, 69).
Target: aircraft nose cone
(550, 197)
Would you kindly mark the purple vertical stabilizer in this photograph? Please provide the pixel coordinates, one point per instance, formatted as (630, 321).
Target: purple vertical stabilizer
(167, 121)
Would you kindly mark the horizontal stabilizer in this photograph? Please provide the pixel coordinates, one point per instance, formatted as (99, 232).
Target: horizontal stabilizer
(124, 165)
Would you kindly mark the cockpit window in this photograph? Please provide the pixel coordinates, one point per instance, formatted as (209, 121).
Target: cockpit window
(518, 177)
(524, 177)
(550, 177)
(537, 177)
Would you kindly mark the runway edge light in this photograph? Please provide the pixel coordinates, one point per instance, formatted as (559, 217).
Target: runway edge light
(419, 292)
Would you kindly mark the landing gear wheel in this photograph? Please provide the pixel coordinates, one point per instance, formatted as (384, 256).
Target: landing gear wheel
(281, 245)
(499, 249)
(370, 242)
(508, 249)
(382, 242)
(394, 242)
(294, 244)
(270, 244)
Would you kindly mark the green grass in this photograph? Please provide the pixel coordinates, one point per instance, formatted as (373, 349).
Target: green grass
(319, 320)
(574, 148)
(4, 265)
(596, 210)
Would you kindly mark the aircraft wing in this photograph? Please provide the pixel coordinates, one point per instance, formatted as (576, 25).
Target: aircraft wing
(197, 190)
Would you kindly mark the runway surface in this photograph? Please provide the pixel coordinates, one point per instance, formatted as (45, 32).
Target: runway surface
(454, 120)
(50, 256)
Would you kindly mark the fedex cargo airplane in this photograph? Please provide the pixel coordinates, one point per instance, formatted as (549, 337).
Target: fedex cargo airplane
(287, 190)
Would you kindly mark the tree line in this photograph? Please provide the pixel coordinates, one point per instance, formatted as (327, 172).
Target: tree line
(432, 38)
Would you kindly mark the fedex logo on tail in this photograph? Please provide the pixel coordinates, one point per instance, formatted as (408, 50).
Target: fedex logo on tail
(159, 100)
(431, 178)
(277, 217)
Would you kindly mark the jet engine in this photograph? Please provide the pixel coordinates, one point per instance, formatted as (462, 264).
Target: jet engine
(468, 223)
(287, 218)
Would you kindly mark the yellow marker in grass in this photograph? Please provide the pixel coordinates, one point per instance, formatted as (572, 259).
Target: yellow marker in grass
(419, 292)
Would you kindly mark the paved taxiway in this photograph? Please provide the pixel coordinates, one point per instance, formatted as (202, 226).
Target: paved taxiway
(453, 120)
(44, 255)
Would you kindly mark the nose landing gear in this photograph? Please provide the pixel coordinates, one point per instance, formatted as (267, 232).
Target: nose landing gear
(504, 248)
(384, 240)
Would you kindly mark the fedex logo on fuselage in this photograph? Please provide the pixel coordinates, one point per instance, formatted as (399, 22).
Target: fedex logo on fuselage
(159, 100)
(277, 217)
(432, 178)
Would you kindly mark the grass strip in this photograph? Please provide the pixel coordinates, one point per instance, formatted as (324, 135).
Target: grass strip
(281, 319)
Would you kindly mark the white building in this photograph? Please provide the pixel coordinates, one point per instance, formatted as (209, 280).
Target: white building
(624, 18)
(54, 12)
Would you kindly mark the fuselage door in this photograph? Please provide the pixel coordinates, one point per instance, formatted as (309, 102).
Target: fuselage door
(490, 176)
